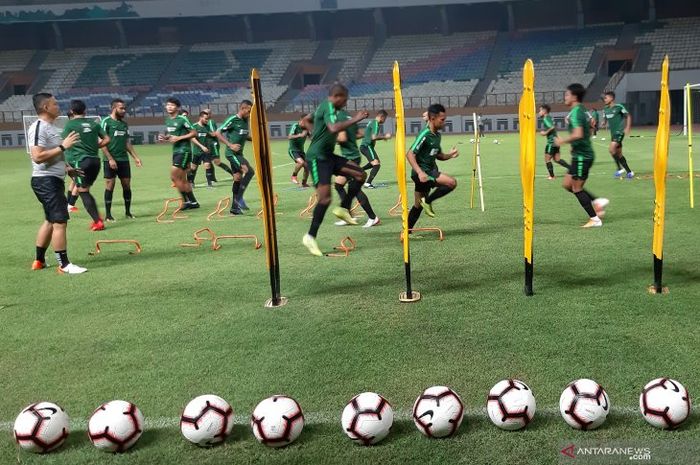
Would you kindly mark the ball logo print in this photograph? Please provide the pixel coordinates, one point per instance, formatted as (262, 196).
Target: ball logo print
(41, 427)
(277, 421)
(207, 420)
(664, 403)
(438, 412)
(367, 418)
(115, 426)
(584, 404)
(511, 404)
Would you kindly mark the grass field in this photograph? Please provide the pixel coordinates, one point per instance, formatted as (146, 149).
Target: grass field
(171, 323)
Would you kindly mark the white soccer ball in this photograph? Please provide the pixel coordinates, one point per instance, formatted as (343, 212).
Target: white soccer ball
(584, 404)
(602, 138)
(41, 427)
(438, 412)
(471, 141)
(511, 404)
(664, 403)
(277, 421)
(206, 420)
(367, 419)
(115, 426)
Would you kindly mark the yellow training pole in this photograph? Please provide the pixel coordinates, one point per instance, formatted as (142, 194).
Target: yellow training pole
(689, 123)
(528, 128)
(400, 154)
(660, 164)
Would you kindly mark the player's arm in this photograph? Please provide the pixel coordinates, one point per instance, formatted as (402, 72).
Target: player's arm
(189, 135)
(334, 126)
(41, 154)
(547, 130)
(454, 153)
(132, 152)
(576, 134)
(201, 146)
(342, 137)
(411, 157)
(628, 122)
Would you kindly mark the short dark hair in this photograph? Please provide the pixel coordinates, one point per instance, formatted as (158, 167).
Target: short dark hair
(174, 101)
(435, 109)
(610, 93)
(577, 90)
(185, 112)
(246, 102)
(337, 88)
(117, 101)
(203, 112)
(546, 107)
(38, 100)
(77, 107)
(382, 113)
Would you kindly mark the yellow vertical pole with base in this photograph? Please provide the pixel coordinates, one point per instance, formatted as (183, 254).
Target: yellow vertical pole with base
(263, 161)
(660, 165)
(528, 128)
(410, 295)
(689, 125)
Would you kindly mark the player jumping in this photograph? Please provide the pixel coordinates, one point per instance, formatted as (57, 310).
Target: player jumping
(297, 136)
(615, 115)
(370, 138)
(237, 133)
(551, 150)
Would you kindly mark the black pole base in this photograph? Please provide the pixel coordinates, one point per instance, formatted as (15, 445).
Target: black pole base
(281, 302)
(658, 287)
(529, 272)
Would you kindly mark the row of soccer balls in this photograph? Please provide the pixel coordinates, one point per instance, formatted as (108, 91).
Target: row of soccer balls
(367, 419)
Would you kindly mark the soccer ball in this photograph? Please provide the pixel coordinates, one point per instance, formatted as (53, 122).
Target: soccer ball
(584, 404)
(511, 404)
(665, 403)
(206, 420)
(471, 141)
(367, 418)
(115, 426)
(277, 421)
(602, 138)
(438, 412)
(496, 141)
(41, 427)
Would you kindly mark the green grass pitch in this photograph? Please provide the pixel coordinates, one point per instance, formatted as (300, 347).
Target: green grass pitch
(171, 323)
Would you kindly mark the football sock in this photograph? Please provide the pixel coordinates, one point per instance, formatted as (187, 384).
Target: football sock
(585, 200)
(209, 173)
(340, 189)
(90, 205)
(191, 197)
(617, 162)
(353, 188)
(367, 166)
(41, 254)
(62, 257)
(127, 200)
(225, 167)
(413, 216)
(623, 162)
(550, 169)
(441, 191)
(191, 175)
(366, 206)
(563, 164)
(71, 199)
(588, 193)
(373, 173)
(319, 213)
(108, 202)
(235, 192)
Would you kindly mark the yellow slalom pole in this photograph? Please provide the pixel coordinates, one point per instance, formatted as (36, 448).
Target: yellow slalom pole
(400, 154)
(689, 123)
(263, 161)
(528, 128)
(660, 164)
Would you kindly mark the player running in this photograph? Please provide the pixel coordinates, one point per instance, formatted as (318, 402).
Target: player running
(422, 157)
(619, 121)
(201, 149)
(297, 136)
(237, 133)
(551, 150)
(84, 156)
(214, 149)
(595, 122)
(325, 125)
(116, 157)
(348, 149)
(179, 133)
(582, 156)
(48, 172)
(370, 138)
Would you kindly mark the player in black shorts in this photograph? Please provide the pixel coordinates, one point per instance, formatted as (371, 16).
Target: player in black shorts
(551, 150)
(422, 157)
(297, 136)
(116, 158)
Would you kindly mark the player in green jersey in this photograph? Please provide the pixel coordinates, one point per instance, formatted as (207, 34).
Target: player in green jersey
(234, 133)
(371, 136)
(297, 136)
(595, 121)
(116, 154)
(214, 149)
(179, 133)
(347, 140)
(422, 157)
(551, 150)
(582, 156)
(85, 157)
(619, 121)
(323, 163)
(200, 149)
